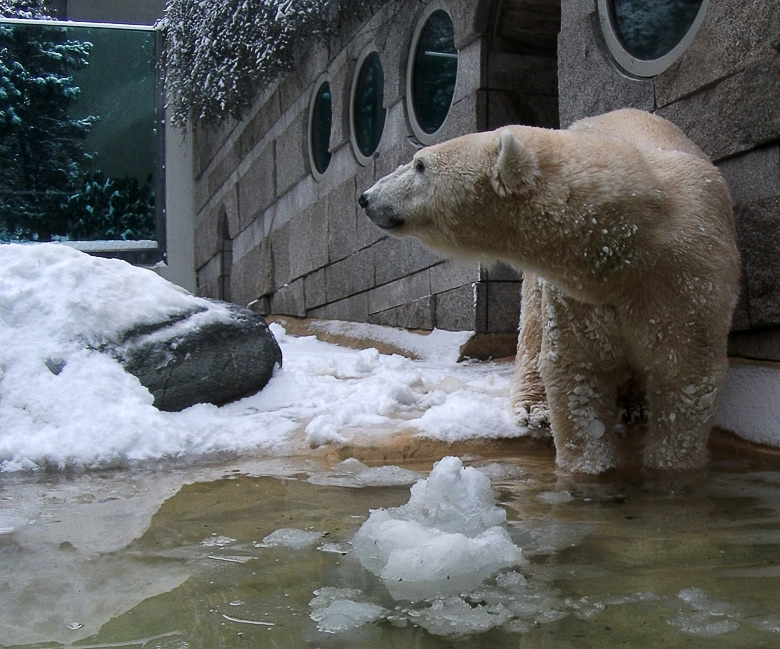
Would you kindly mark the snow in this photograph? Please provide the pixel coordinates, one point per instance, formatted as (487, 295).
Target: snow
(65, 405)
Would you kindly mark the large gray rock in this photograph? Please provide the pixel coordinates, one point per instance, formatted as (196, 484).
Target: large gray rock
(213, 355)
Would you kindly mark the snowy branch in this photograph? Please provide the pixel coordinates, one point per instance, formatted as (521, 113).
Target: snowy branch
(220, 53)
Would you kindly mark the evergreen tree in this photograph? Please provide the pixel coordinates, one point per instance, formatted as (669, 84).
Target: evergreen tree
(40, 143)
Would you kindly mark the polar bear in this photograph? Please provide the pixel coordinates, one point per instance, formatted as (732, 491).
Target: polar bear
(625, 232)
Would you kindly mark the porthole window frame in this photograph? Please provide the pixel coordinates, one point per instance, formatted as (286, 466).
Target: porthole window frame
(359, 155)
(645, 68)
(323, 79)
(419, 132)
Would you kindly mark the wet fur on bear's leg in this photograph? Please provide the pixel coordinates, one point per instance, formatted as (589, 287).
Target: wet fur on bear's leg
(528, 398)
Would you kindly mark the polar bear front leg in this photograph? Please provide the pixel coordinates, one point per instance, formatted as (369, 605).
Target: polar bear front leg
(682, 409)
(528, 399)
(580, 368)
(583, 420)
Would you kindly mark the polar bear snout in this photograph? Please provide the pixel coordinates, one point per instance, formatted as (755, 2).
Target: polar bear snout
(382, 215)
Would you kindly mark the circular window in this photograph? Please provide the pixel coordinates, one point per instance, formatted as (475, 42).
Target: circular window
(320, 123)
(368, 111)
(432, 71)
(646, 37)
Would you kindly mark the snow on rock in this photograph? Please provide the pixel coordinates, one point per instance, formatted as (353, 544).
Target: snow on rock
(57, 302)
(749, 406)
(63, 401)
(446, 540)
(70, 296)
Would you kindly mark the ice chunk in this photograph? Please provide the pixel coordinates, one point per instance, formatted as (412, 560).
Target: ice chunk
(555, 497)
(445, 541)
(702, 624)
(289, 537)
(386, 476)
(707, 618)
(335, 610)
(456, 616)
(454, 498)
(699, 600)
(215, 541)
(353, 473)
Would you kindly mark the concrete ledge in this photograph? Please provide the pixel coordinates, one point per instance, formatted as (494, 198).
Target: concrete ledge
(750, 403)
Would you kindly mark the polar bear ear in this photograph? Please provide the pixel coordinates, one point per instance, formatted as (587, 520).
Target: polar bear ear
(515, 168)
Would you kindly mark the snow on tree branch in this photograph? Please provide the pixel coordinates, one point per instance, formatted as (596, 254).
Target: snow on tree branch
(219, 53)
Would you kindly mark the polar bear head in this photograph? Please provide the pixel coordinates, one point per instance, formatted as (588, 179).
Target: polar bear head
(443, 196)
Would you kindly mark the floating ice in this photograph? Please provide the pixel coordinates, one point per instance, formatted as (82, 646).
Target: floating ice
(445, 541)
(215, 541)
(289, 537)
(335, 610)
(555, 497)
(705, 616)
(457, 616)
(353, 473)
(703, 624)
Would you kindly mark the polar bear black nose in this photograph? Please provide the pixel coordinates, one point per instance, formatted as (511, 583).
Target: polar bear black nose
(363, 201)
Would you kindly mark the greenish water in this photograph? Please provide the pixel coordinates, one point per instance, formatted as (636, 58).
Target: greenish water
(175, 560)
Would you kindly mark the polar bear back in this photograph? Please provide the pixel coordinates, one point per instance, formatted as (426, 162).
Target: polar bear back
(641, 129)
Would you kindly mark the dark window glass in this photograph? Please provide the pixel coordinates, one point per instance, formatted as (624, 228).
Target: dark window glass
(321, 122)
(78, 133)
(369, 113)
(649, 29)
(434, 71)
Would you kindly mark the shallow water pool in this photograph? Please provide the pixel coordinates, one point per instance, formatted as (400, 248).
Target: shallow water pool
(188, 557)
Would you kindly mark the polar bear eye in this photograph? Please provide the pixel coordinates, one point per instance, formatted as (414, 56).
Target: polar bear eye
(419, 165)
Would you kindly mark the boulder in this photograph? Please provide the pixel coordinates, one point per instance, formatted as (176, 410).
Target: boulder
(215, 354)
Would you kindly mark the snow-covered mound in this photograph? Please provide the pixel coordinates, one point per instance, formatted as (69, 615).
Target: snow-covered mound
(65, 405)
(446, 540)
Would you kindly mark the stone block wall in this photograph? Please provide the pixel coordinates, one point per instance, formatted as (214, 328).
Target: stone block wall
(301, 246)
(723, 91)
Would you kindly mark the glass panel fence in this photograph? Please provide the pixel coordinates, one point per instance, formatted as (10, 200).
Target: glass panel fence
(79, 135)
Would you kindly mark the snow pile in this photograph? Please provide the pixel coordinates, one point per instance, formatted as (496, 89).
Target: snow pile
(446, 540)
(63, 404)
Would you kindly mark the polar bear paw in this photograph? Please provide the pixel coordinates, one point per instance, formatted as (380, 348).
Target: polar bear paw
(535, 417)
